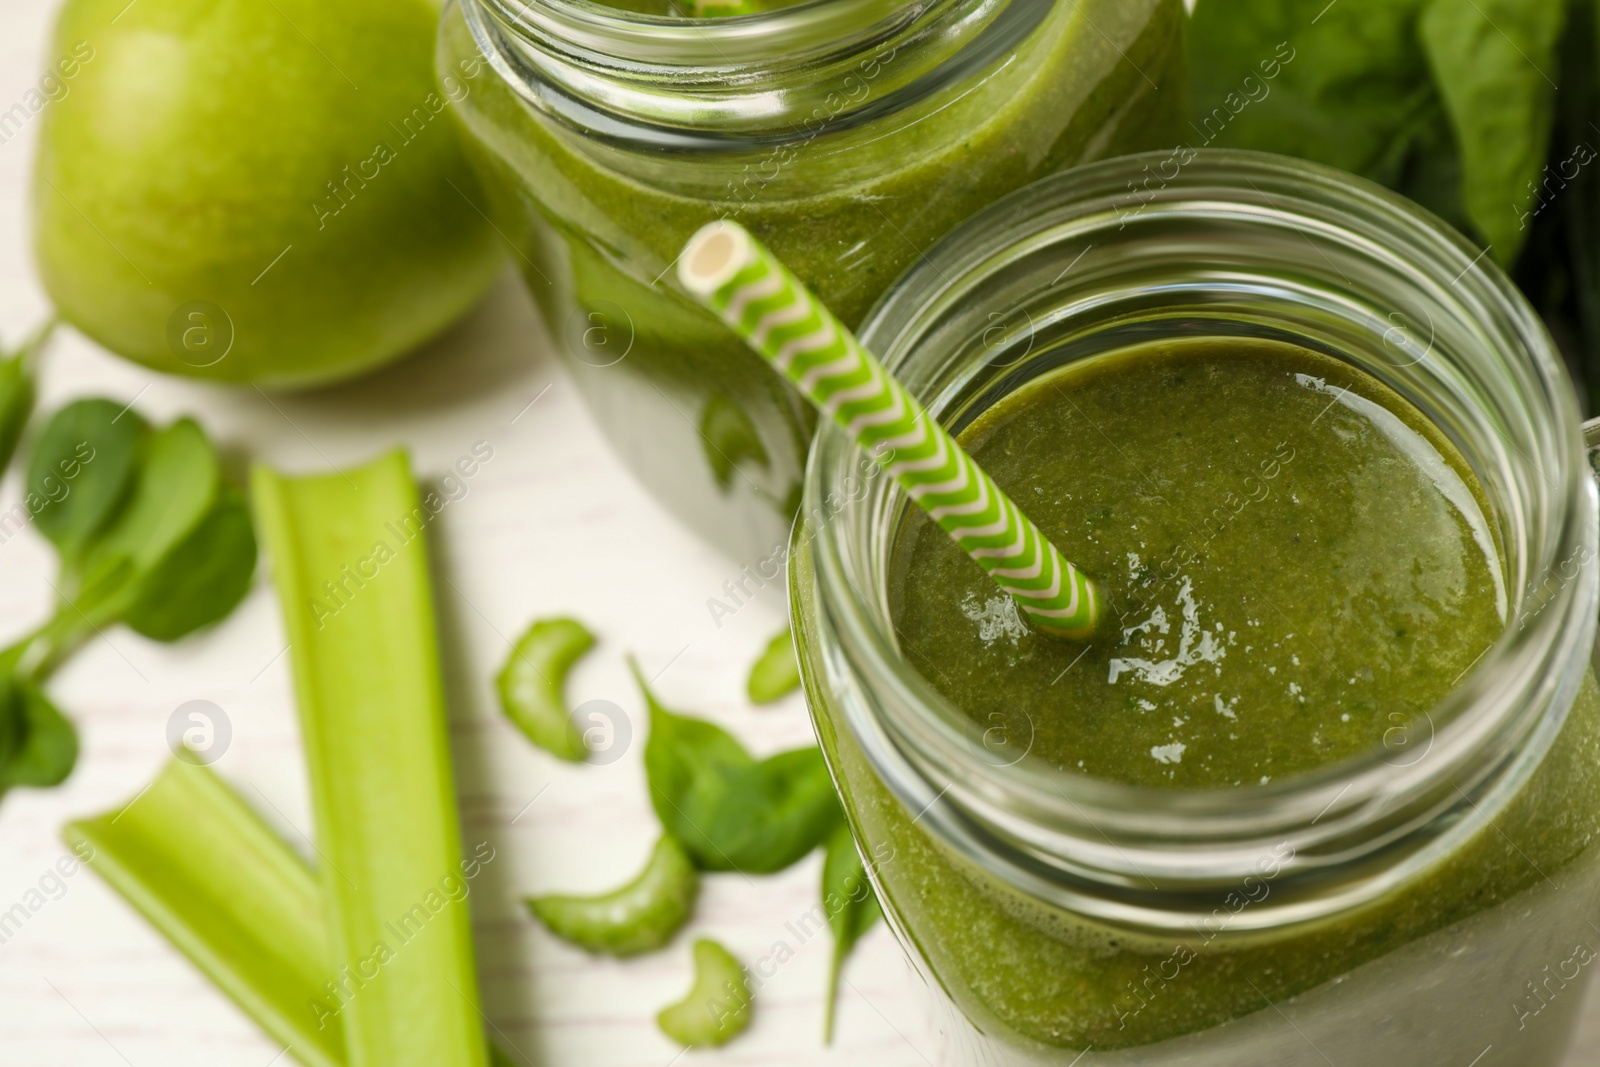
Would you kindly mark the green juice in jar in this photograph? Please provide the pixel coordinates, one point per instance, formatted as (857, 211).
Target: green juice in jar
(857, 168)
(1300, 568)
(1297, 561)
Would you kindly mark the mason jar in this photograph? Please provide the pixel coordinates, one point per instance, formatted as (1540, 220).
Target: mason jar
(847, 135)
(1431, 902)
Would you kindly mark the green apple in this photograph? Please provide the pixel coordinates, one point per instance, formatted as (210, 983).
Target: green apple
(264, 191)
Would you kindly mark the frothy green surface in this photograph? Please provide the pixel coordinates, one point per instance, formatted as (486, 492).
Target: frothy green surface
(1298, 562)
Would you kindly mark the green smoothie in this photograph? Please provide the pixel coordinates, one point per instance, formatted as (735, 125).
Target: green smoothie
(1300, 568)
(1297, 562)
(847, 202)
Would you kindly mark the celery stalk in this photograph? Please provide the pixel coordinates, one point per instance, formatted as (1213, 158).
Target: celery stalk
(351, 568)
(226, 891)
(199, 863)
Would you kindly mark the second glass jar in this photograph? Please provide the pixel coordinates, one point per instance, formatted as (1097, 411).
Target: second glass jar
(848, 136)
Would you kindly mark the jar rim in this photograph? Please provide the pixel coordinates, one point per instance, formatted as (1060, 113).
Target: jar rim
(745, 82)
(1048, 819)
(681, 42)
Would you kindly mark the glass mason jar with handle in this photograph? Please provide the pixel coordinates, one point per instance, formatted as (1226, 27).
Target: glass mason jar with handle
(847, 135)
(1432, 902)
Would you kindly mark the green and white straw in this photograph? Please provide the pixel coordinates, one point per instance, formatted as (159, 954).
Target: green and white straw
(731, 273)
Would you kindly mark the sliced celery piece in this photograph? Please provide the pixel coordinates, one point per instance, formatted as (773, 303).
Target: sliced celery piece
(351, 567)
(717, 1007)
(638, 917)
(199, 863)
(224, 889)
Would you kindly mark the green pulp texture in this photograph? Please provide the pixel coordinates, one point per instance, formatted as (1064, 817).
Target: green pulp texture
(1416, 612)
(1028, 975)
(705, 423)
(1298, 566)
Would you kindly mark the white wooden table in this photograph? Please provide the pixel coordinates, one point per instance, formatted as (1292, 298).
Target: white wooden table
(86, 983)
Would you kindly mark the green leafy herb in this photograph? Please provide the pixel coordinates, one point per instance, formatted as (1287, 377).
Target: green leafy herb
(1344, 86)
(172, 489)
(852, 907)
(373, 725)
(729, 810)
(775, 673)
(148, 531)
(13, 719)
(148, 535)
(773, 813)
(1560, 269)
(1493, 62)
(48, 744)
(533, 681)
(717, 1008)
(204, 576)
(638, 917)
(1447, 101)
(17, 390)
(82, 468)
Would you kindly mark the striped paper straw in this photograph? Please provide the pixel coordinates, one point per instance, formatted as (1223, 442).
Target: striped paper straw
(731, 273)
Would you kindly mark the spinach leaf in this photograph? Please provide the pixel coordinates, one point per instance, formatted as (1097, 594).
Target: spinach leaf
(17, 390)
(37, 745)
(771, 814)
(685, 756)
(852, 907)
(148, 534)
(1343, 84)
(1450, 102)
(49, 744)
(202, 578)
(1560, 266)
(13, 719)
(729, 810)
(173, 490)
(1431, 174)
(82, 469)
(775, 673)
(16, 404)
(1493, 62)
